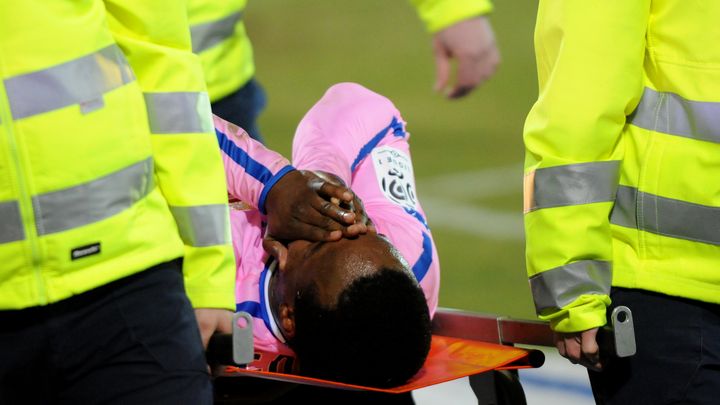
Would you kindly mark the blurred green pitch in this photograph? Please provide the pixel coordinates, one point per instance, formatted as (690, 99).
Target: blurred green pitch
(302, 47)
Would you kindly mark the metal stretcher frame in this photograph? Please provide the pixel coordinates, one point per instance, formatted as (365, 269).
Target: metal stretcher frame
(499, 386)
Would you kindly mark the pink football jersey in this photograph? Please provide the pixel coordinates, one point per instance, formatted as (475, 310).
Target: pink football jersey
(357, 135)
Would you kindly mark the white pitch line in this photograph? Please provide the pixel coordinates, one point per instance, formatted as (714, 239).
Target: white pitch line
(482, 183)
(442, 199)
(474, 220)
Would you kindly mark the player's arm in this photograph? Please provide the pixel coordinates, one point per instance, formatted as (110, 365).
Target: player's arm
(297, 203)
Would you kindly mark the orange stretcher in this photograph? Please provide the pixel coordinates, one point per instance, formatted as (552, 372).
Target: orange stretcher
(463, 344)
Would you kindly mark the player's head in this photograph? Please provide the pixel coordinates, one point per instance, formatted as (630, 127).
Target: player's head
(352, 311)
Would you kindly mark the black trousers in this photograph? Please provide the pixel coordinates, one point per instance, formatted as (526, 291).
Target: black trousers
(678, 353)
(133, 341)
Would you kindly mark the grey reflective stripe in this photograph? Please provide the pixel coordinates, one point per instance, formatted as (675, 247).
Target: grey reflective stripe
(80, 81)
(581, 183)
(562, 285)
(11, 226)
(205, 225)
(178, 112)
(93, 201)
(666, 216)
(671, 114)
(623, 212)
(209, 34)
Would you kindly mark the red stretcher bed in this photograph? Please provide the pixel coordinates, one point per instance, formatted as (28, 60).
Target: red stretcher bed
(463, 344)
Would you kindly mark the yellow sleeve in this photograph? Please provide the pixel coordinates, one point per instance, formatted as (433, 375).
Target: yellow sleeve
(590, 70)
(440, 14)
(155, 37)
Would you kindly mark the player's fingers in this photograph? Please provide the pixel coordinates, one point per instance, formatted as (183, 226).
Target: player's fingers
(330, 190)
(315, 227)
(330, 214)
(354, 230)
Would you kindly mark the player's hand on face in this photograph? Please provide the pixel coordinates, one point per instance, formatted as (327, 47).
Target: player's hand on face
(303, 205)
(580, 348)
(362, 222)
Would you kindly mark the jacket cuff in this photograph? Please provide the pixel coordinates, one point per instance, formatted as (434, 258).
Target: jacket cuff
(586, 312)
(440, 14)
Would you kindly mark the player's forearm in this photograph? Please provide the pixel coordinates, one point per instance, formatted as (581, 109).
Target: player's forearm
(251, 169)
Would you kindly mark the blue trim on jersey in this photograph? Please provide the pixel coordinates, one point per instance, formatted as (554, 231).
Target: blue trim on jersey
(417, 216)
(252, 167)
(263, 311)
(397, 128)
(268, 186)
(251, 307)
(421, 267)
(254, 308)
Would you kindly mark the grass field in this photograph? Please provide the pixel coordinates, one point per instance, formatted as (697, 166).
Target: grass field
(302, 47)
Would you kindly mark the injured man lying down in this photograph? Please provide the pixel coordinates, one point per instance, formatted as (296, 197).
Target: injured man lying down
(342, 307)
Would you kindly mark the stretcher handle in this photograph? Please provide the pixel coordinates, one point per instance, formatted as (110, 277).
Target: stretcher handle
(617, 339)
(236, 348)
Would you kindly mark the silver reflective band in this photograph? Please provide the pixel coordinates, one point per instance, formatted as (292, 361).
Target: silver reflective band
(555, 288)
(671, 114)
(666, 216)
(11, 226)
(93, 201)
(581, 183)
(209, 34)
(80, 81)
(204, 225)
(178, 112)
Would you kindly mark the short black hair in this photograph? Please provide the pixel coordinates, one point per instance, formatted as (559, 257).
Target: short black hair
(378, 334)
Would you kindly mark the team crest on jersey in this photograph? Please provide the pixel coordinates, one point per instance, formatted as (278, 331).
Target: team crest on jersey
(394, 172)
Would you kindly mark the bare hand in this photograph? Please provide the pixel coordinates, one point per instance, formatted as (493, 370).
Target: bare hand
(580, 348)
(303, 205)
(472, 43)
(211, 321)
(356, 205)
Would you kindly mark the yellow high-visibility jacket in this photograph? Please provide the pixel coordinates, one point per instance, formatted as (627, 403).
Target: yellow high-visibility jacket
(623, 155)
(108, 159)
(219, 36)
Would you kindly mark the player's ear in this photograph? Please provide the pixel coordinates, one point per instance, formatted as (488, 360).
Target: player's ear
(287, 320)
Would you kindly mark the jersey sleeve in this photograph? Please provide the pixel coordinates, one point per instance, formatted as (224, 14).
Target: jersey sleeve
(251, 169)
